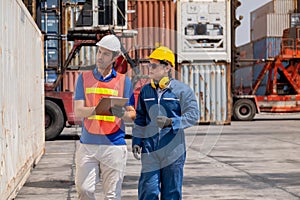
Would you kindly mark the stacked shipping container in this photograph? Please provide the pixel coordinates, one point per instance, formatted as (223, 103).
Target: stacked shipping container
(204, 51)
(267, 25)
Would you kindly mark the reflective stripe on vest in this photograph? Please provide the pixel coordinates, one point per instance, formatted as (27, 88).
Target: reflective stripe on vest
(101, 91)
(103, 117)
(94, 90)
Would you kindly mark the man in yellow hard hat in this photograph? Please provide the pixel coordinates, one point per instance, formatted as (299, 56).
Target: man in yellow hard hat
(165, 108)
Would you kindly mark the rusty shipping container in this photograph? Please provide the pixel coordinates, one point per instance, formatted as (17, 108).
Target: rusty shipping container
(211, 84)
(22, 99)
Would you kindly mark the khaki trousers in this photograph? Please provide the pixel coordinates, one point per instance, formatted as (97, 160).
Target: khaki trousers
(109, 161)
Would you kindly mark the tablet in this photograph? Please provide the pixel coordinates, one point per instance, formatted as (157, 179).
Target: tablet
(105, 103)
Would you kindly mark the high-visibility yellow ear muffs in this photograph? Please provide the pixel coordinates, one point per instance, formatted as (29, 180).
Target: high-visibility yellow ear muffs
(163, 83)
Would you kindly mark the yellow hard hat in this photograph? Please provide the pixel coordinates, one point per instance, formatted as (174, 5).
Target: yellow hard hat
(163, 53)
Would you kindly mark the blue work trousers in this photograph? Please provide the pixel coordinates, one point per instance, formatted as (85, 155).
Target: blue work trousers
(166, 180)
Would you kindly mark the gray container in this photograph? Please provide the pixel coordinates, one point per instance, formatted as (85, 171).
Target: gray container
(274, 6)
(211, 84)
(269, 25)
(22, 133)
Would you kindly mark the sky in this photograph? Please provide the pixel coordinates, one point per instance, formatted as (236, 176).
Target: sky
(243, 31)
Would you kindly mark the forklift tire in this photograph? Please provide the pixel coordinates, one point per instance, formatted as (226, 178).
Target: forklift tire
(54, 120)
(244, 110)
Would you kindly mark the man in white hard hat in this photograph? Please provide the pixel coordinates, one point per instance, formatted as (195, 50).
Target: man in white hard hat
(102, 145)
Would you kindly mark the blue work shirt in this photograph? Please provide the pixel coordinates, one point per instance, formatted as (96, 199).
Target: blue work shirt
(177, 102)
(116, 138)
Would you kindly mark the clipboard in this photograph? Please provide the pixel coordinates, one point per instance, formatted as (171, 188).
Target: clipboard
(105, 103)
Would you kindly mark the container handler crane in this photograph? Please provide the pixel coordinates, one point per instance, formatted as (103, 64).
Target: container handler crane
(282, 93)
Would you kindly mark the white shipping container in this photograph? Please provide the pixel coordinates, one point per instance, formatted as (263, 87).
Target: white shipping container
(22, 97)
(269, 25)
(274, 6)
(204, 31)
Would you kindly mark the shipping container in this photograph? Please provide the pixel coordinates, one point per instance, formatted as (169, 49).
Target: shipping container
(246, 51)
(266, 47)
(155, 22)
(22, 132)
(243, 79)
(269, 25)
(50, 23)
(212, 86)
(274, 6)
(203, 31)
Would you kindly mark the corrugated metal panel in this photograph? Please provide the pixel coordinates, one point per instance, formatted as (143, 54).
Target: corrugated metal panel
(155, 25)
(270, 25)
(266, 47)
(284, 6)
(276, 24)
(22, 135)
(211, 84)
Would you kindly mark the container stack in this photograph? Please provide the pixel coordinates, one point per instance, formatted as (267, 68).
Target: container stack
(204, 55)
(266, 28)
(50, 26)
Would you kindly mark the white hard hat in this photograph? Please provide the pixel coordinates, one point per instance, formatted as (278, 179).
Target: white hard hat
(110, 42)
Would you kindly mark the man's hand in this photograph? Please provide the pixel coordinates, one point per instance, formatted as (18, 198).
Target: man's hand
(117, 111)
(163, 121)
(136, 150)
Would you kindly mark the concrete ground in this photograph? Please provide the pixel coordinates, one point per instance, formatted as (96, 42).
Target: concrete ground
(257, 160)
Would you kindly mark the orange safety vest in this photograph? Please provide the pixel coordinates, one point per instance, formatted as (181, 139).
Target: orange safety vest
(94, 90)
